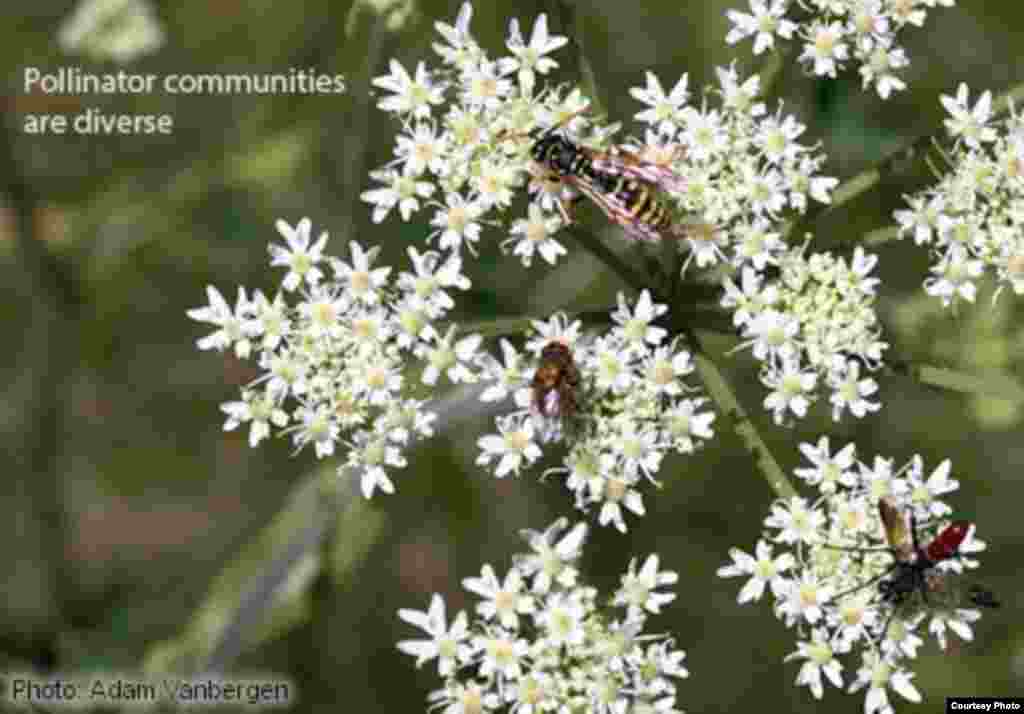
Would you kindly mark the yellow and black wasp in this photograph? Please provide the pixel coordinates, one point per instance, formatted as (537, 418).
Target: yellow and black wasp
(627, 188)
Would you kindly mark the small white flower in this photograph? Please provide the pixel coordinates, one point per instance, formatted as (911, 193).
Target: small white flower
(880, 63)
(450, 358)
(484, 86)
(791, 390)
(819, 658)
(457, 223)
(536, 232)
(447, 644)
(637, 447)
(260, 409)
(636, 326)
(464, 698)
(369, 454)
(611, 366)
(796, 522)
(664, 112)
(531, 59)
(412, 96)
(824, 48)
(236, 326)
(561, 618)
(851, 392)
(750, 300)
(966, 123)
(804, 599)
(638, 589)
(504, 601)
(926, 494)
(422, 150)
(829, 472)
(495, 183)
(764, 21)
(554, 552)
(953, 277)
(614, 494)
(513, 445)
(317, 427)
(300, 259)
(958, 620)
(361, 282)
(764, 570)
(503, 655)
(400, 189)
(922, 218)
(685, 424)
(879, 673)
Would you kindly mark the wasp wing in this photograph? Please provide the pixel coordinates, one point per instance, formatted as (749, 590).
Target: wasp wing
(612, 205)
(622, 161)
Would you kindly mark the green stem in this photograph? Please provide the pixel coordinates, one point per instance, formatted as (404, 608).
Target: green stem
(894, 163)
(999, 386)
(881, 235)
(573, 28)
(731, 410)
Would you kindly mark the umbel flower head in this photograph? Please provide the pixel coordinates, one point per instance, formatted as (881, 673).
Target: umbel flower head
(630, 407)
(854, 596)
(334, 362)
(469, 132)
(541, 641)
(836, 34)
(973, 219)
(813, 328)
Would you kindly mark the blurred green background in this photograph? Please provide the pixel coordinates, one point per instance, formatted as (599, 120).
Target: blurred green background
(132, 525)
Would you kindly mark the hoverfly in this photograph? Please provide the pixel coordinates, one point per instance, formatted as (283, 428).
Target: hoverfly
(914, 567)
(627, 188)
(553, 388)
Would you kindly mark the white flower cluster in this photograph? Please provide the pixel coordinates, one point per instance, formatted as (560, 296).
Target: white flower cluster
(813, 324)
(335, 358)
(740, 169)
(734, 169)
(542, 642)
(118, 30)
(466, 150)
(974, 218)
(837, 32)
(631, 408)
(838, 560)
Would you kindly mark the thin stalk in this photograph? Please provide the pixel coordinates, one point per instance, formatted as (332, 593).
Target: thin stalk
(732, 411)
(999, 386)
(886, 168)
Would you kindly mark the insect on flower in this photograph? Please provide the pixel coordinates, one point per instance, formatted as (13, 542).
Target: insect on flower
(554, 385)
(915, 571)
(914, 568)
(629, 189)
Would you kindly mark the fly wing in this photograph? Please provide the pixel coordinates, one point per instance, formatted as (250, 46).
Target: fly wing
(897, 531)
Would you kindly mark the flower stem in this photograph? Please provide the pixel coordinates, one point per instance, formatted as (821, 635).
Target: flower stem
(573, 29)
(894, 163)
(729, 407)
(999, 386)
